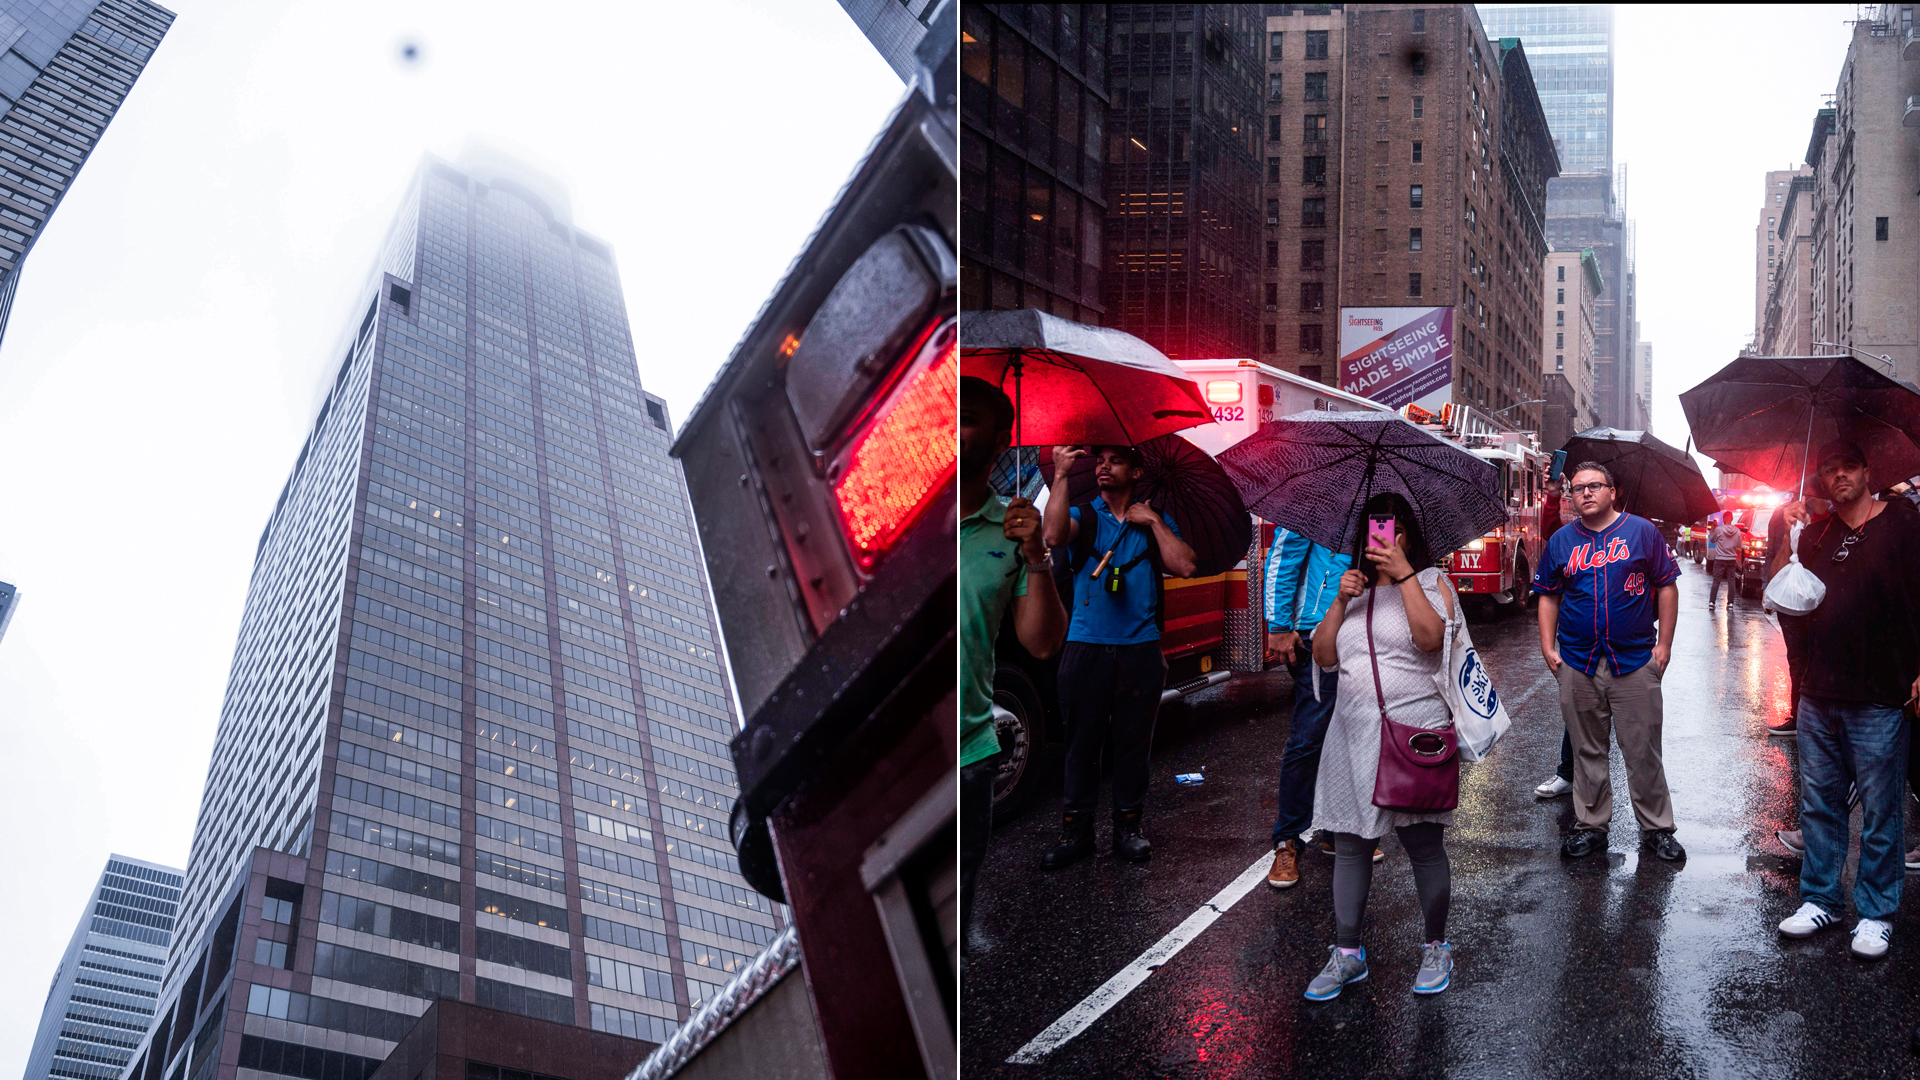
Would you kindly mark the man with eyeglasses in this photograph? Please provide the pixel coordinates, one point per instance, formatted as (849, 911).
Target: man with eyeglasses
(1862, 671)
(1604, 582)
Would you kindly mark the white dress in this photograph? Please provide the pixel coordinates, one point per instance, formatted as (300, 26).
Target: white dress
(1350, 756)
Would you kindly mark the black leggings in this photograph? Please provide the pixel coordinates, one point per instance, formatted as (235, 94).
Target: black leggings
(1353, 874)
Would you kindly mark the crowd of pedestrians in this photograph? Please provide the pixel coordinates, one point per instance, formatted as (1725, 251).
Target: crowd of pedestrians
(1362, 633)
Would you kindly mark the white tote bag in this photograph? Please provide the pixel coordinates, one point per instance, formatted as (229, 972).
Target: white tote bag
(1479, 720)
(1794, 590)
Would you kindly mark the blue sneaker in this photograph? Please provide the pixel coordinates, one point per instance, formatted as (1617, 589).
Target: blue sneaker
(1436, 968)
(1341, 969)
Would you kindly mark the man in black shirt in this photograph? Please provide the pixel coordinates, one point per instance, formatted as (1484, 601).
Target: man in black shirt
(1863, 666)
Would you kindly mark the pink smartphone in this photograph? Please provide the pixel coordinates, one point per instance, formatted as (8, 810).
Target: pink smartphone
(1380, 530)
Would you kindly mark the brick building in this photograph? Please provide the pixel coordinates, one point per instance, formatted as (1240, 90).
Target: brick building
(1568, 336)
(1786, 316)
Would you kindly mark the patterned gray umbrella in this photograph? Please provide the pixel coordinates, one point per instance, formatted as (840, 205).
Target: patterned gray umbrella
(1312, 472)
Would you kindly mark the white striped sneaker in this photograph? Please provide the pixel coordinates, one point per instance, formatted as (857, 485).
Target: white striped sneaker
(1807, 921)
(1870, 939)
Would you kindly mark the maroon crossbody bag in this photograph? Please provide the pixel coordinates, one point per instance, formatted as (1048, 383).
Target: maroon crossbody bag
(1419, 769)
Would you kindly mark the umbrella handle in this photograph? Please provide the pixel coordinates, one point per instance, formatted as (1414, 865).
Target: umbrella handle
(1103, 565)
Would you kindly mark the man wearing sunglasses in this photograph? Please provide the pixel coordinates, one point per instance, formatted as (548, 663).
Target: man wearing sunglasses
(1862, 669)
(1604, 583)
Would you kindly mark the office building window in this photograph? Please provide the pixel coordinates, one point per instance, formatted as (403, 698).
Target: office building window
(1559, 296)
(1273, 46)
(1273, 127)
(1316, 86)
(1413, 196)
(1313, 170)
(1560, 318)
(1413, 284)
(1562, 272)
(1559, 341)
(1312, 296)
(1316, 44)
(1316, 128)
(1413, 239)
(1309, 337)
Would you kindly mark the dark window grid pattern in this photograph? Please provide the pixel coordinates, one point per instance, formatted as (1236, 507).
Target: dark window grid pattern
(664, 758)
(523, 1000)
(399, 879)
(361, 968)
(721, 964)
(629, 978)
(508, 868)
(727, 926)
(488, 731)
(395, 801)
(640, 867)
(387, 921)
(510, 950)
(379, 761)
(605, 797)
(409, 620)
(518, 834)
(520, 909)
(487, 761)
(612, 829)
(328, 1013)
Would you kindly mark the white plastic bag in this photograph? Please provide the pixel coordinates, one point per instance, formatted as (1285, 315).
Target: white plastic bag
(1795, 590)
(1479, 720)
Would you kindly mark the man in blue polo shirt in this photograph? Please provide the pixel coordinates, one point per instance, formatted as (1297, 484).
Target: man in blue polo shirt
(1111, 670)
(1603, 582)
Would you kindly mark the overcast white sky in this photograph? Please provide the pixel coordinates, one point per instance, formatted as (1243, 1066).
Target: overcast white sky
(172, 325)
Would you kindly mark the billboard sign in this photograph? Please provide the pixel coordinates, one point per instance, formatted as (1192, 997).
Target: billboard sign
(1398, 356)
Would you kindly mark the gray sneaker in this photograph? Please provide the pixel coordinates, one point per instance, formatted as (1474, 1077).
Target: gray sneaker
(1436, 968)
(1341, 969)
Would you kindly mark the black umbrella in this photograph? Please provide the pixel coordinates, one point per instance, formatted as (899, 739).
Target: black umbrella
(1766, 415)
(1183, 482)
(1655, 480)
(1312, 472)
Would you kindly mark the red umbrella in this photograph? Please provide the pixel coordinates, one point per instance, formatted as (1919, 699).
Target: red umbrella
(1074, 384)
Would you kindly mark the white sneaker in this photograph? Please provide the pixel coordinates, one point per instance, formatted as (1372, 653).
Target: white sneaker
(1870, 939)
(1811, 918)
(1552, 786)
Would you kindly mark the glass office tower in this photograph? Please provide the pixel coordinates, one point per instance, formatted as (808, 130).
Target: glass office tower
(1570, 47)
(474, 743)
(102, 995)
(66, 67)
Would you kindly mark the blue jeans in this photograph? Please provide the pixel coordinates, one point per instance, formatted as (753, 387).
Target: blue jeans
(1840, 741)
(1301, 762)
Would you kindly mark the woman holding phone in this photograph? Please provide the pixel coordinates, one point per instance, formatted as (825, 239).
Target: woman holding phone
(1410, 607)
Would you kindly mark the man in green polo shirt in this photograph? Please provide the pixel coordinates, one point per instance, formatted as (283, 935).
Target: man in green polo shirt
(999, 545)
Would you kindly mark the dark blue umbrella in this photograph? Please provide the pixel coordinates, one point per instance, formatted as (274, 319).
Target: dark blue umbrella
(1655, 480)
(1312, 472)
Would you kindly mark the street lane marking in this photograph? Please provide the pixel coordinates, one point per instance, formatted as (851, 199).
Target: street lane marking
(1094, 1005)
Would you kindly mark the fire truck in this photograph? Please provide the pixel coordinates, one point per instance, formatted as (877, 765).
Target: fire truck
(1496, 570)
(1214, 625)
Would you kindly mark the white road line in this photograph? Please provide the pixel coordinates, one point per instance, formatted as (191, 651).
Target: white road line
(1095, 1005)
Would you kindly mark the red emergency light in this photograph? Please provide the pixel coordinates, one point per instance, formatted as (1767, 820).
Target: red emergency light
(903, 451)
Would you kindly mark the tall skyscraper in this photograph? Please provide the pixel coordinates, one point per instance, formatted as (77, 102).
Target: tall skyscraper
(895, 28)
(66, 67)
(9, 600)
(102, 995)
(1182, 267)
(1033, 112)
(1571, 48)
(474, 740)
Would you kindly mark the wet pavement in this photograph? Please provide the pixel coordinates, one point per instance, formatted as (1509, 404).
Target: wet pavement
(1619, 967)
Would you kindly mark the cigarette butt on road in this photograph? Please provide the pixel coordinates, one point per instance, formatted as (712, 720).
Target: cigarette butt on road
(1103, 565)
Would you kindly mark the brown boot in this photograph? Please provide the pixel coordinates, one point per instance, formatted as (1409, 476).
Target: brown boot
(1285, 871)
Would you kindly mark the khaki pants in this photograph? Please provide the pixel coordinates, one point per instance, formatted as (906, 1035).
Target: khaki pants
(1629, 706)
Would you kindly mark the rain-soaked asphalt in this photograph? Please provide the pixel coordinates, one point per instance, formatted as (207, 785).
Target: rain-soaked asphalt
(1627, 967)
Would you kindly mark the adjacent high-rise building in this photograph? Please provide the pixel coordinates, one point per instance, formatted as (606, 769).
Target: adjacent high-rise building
(9, 601)
(1033, 109)
(1571, 49)
(895, 28)
(1568, 337)
(1865, 157)
(1770, 251)
(1184, 136)
(103, 993)
(474, 741)
(66, 67)
(1785, 326)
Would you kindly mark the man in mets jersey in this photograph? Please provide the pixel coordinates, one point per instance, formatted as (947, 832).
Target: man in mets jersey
(1603, 583)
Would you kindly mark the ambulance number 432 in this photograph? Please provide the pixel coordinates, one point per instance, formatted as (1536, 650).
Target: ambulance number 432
(1224, 413)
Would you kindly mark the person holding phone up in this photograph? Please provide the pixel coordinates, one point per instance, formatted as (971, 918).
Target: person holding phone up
(1111, 670)
(1602, 582)
(1395, 639)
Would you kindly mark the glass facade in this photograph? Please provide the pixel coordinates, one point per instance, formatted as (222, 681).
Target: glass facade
(66, 67)
(1570, 48)
(477, 705)
(102, 997)
(1033, 109)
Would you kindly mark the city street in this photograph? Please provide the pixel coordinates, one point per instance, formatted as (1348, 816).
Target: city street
(1614, 967)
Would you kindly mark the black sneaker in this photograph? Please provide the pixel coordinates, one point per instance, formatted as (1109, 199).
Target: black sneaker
(1584, 842)
(1664, 846)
